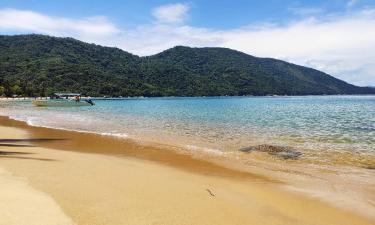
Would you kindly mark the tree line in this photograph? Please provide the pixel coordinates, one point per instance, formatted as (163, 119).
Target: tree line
(38, 65)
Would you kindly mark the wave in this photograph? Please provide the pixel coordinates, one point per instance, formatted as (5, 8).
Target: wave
(37, 122)
(31, 121)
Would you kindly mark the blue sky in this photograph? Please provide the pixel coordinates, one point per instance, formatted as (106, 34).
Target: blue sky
(336, 36)
(221, 14)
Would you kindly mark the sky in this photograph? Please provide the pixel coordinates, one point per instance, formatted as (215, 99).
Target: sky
(335, 36)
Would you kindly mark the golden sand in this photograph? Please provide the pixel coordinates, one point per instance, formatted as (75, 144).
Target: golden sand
(97, 180)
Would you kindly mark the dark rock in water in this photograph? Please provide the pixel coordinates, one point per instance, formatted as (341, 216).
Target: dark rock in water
(288, 154)
(279, 151)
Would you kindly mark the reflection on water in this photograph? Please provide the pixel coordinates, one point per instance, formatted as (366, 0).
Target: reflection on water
(319, 126)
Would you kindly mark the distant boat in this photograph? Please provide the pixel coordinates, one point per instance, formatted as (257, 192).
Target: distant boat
(63, 100)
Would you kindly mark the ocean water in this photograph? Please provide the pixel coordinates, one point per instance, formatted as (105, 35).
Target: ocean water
(317, 126)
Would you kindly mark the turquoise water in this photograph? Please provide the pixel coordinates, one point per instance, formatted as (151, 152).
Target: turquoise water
(314, 124)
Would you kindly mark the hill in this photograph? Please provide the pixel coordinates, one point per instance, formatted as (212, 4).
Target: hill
(37, 65)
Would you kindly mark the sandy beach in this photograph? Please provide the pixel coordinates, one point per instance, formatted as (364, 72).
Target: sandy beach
(58, 177)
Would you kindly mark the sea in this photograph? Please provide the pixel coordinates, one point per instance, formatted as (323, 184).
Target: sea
(321, 129)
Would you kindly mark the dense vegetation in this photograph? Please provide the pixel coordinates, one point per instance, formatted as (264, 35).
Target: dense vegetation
(38, 65)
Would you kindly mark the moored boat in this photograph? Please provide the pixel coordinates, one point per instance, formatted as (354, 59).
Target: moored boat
(63, 100)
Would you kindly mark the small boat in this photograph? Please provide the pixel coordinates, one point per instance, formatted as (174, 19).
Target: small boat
(63, 100)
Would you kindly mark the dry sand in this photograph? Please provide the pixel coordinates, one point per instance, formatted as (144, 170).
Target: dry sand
(44, 185)
(20, 204)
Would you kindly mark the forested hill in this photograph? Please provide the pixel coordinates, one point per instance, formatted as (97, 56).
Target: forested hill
(37, 65)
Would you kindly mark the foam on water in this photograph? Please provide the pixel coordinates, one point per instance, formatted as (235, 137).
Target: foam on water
(115, 135)
(194, 148)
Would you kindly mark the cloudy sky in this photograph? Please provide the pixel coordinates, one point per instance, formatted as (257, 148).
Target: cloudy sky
(335, 36)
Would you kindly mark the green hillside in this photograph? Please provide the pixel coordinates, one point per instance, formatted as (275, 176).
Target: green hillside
(37, 65)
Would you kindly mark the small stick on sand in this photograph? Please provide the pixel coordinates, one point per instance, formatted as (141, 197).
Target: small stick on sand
(209, 191)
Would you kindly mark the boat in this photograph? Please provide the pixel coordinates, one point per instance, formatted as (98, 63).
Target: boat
(63, 100)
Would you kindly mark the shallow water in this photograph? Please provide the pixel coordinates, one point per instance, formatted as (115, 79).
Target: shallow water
(317, 126)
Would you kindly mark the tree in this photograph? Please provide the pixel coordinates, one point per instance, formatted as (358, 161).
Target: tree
(2, 90)
(16, 90)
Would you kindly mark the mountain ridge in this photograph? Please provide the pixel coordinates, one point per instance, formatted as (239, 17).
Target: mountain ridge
(37, 65)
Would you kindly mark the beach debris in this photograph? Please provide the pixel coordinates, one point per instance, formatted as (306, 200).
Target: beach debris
(279, 151)
(210, 192)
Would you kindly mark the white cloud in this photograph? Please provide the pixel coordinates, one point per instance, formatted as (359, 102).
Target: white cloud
(341, 45)
(12, 20)
(171, 13)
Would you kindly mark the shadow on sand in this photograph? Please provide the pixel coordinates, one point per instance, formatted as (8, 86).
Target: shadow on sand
(30, 140)
(21, 155)
(8, 142)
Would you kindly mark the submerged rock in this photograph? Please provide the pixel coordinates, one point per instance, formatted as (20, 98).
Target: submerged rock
(279, 151)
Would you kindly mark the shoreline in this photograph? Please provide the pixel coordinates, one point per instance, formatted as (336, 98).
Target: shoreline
(199, 96)
(259, 190)
(68, 140)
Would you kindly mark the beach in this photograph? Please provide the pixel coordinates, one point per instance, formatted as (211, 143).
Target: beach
(66, 177)
(187, 112)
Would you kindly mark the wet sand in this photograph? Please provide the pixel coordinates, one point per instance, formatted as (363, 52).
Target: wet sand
(90, 179)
